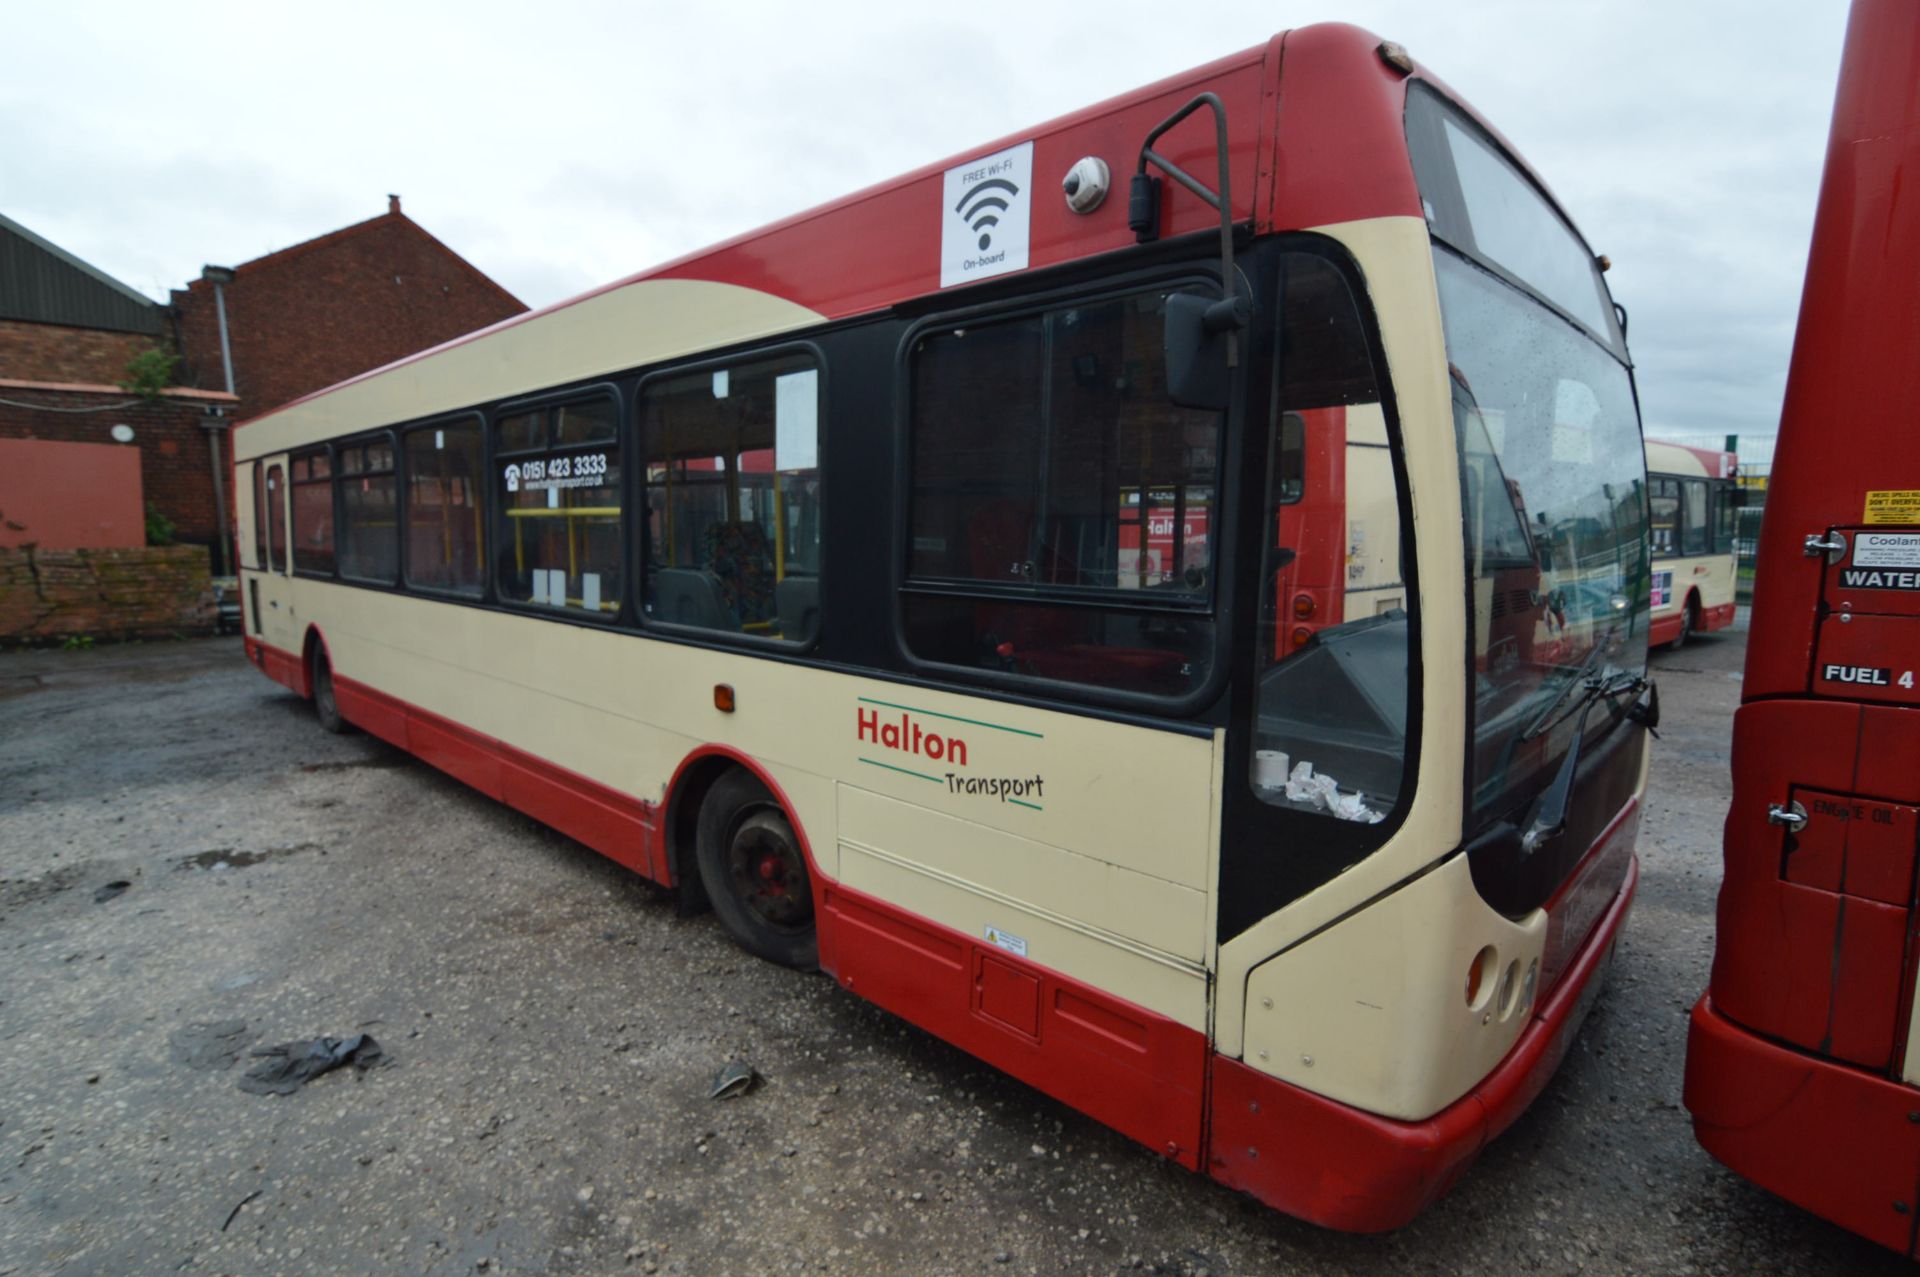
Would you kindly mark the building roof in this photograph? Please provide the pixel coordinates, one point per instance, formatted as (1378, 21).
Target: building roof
(281, 256)
(42, 283)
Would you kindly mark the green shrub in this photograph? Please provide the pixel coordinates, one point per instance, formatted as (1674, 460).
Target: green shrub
(150, 372)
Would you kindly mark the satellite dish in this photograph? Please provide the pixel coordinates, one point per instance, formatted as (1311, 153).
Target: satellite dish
(123, 433)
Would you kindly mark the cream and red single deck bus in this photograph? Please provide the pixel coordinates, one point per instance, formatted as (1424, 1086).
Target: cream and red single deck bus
(1158, 601)
(1692, 502)
(1803, 1059)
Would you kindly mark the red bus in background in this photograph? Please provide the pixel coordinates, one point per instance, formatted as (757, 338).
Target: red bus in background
(1802, 1060)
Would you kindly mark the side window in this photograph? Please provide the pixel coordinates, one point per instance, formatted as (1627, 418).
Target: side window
(1333, 627)
(733, 497)
(1663, 502)
(252, 477)
(313, 513)
(1061, 509)
(445, 534)
(1695, 538)
(557, 532)
(369, 537)
(277, 518)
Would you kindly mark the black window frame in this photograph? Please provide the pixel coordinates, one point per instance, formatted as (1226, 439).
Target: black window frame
(294, 458)
(641, 537)
(364, 439)
(492, 455)
(1217, 611)
(404, 504)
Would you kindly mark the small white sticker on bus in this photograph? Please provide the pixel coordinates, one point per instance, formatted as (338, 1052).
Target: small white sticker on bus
(1007, 940)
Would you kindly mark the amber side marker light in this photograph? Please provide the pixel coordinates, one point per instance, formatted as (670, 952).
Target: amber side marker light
(723, 697)
(1302, 606)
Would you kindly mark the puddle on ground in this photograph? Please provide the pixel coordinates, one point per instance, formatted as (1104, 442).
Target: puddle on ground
(224, 858)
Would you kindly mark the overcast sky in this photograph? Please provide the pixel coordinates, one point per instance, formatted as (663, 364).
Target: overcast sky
(563, 144)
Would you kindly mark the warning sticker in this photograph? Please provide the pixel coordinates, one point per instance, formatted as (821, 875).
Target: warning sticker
(986, 214)
(1886, 550)
(1894, 506)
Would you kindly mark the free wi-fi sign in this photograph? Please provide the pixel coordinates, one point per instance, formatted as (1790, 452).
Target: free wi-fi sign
(986, 213)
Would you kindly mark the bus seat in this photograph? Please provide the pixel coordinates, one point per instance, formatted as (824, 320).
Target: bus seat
(688, 596)
(741, 562)
(797, 601)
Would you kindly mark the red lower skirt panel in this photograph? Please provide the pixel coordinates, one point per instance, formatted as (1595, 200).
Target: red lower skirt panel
(1339, 1167)
(614, 824)
(1137, 1071)
(1838, 1141)
(1717, 618)
(282, 667)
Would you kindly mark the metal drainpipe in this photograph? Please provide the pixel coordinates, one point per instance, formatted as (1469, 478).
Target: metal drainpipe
(214, 422)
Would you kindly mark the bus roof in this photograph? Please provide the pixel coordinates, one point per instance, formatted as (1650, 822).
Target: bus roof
(1337, 153)
(1689, 461)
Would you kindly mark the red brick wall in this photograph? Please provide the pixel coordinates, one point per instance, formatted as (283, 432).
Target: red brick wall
(49, 352)
(174, 459)
(157, 592)
(320, 312)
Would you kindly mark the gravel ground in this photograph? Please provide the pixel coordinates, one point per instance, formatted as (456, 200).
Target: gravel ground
(552, 1027)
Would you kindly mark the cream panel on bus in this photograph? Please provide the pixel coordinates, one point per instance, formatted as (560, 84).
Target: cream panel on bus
(1119, 813)
(1104, 959)
(1374, 1011)
(624, 327)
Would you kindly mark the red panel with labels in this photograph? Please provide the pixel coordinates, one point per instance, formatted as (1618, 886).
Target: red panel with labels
(1868, 658)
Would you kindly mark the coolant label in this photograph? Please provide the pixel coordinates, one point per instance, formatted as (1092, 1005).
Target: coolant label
(1886, 550)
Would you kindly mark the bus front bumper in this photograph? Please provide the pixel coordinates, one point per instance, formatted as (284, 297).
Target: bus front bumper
(1831, 1138)
(1343, 1168)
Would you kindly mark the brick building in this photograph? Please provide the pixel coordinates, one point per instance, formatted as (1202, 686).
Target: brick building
(305, 317)
(297, 320)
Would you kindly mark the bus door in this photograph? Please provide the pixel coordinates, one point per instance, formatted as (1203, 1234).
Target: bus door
(269, 598)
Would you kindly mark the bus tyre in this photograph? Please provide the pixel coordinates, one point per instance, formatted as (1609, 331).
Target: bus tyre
(755, 873)
(1689, 622)
(325, 706)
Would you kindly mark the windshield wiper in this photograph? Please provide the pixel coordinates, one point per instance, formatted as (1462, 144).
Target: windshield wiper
(1580, 677)
(1547, 818)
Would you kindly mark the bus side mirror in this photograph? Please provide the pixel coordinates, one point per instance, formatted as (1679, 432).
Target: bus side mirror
(1198, 336)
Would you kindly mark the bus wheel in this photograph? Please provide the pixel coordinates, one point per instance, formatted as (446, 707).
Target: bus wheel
(325, 706)
(1689, 622)
(755, 873)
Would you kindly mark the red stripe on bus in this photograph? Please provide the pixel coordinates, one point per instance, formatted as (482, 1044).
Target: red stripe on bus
(1339, 1167)
(1133, 1069)
(617, 825)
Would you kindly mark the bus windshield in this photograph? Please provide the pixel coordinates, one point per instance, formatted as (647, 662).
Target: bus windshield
(1552, 487)
(1552, 474)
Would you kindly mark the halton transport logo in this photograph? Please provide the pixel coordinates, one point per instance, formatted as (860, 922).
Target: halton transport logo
(910, 740)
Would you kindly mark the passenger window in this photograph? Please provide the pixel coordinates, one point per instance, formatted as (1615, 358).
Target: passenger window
(369, 537)
(1332, 644)
(1663, 504)
(1061, 513)
(313, 513)
(1697, 539)
(256, 481)
(557, 539)
(444, 529)
(277, 518)
(734, 498)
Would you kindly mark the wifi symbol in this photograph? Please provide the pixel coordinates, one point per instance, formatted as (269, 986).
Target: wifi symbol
(978, 206)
